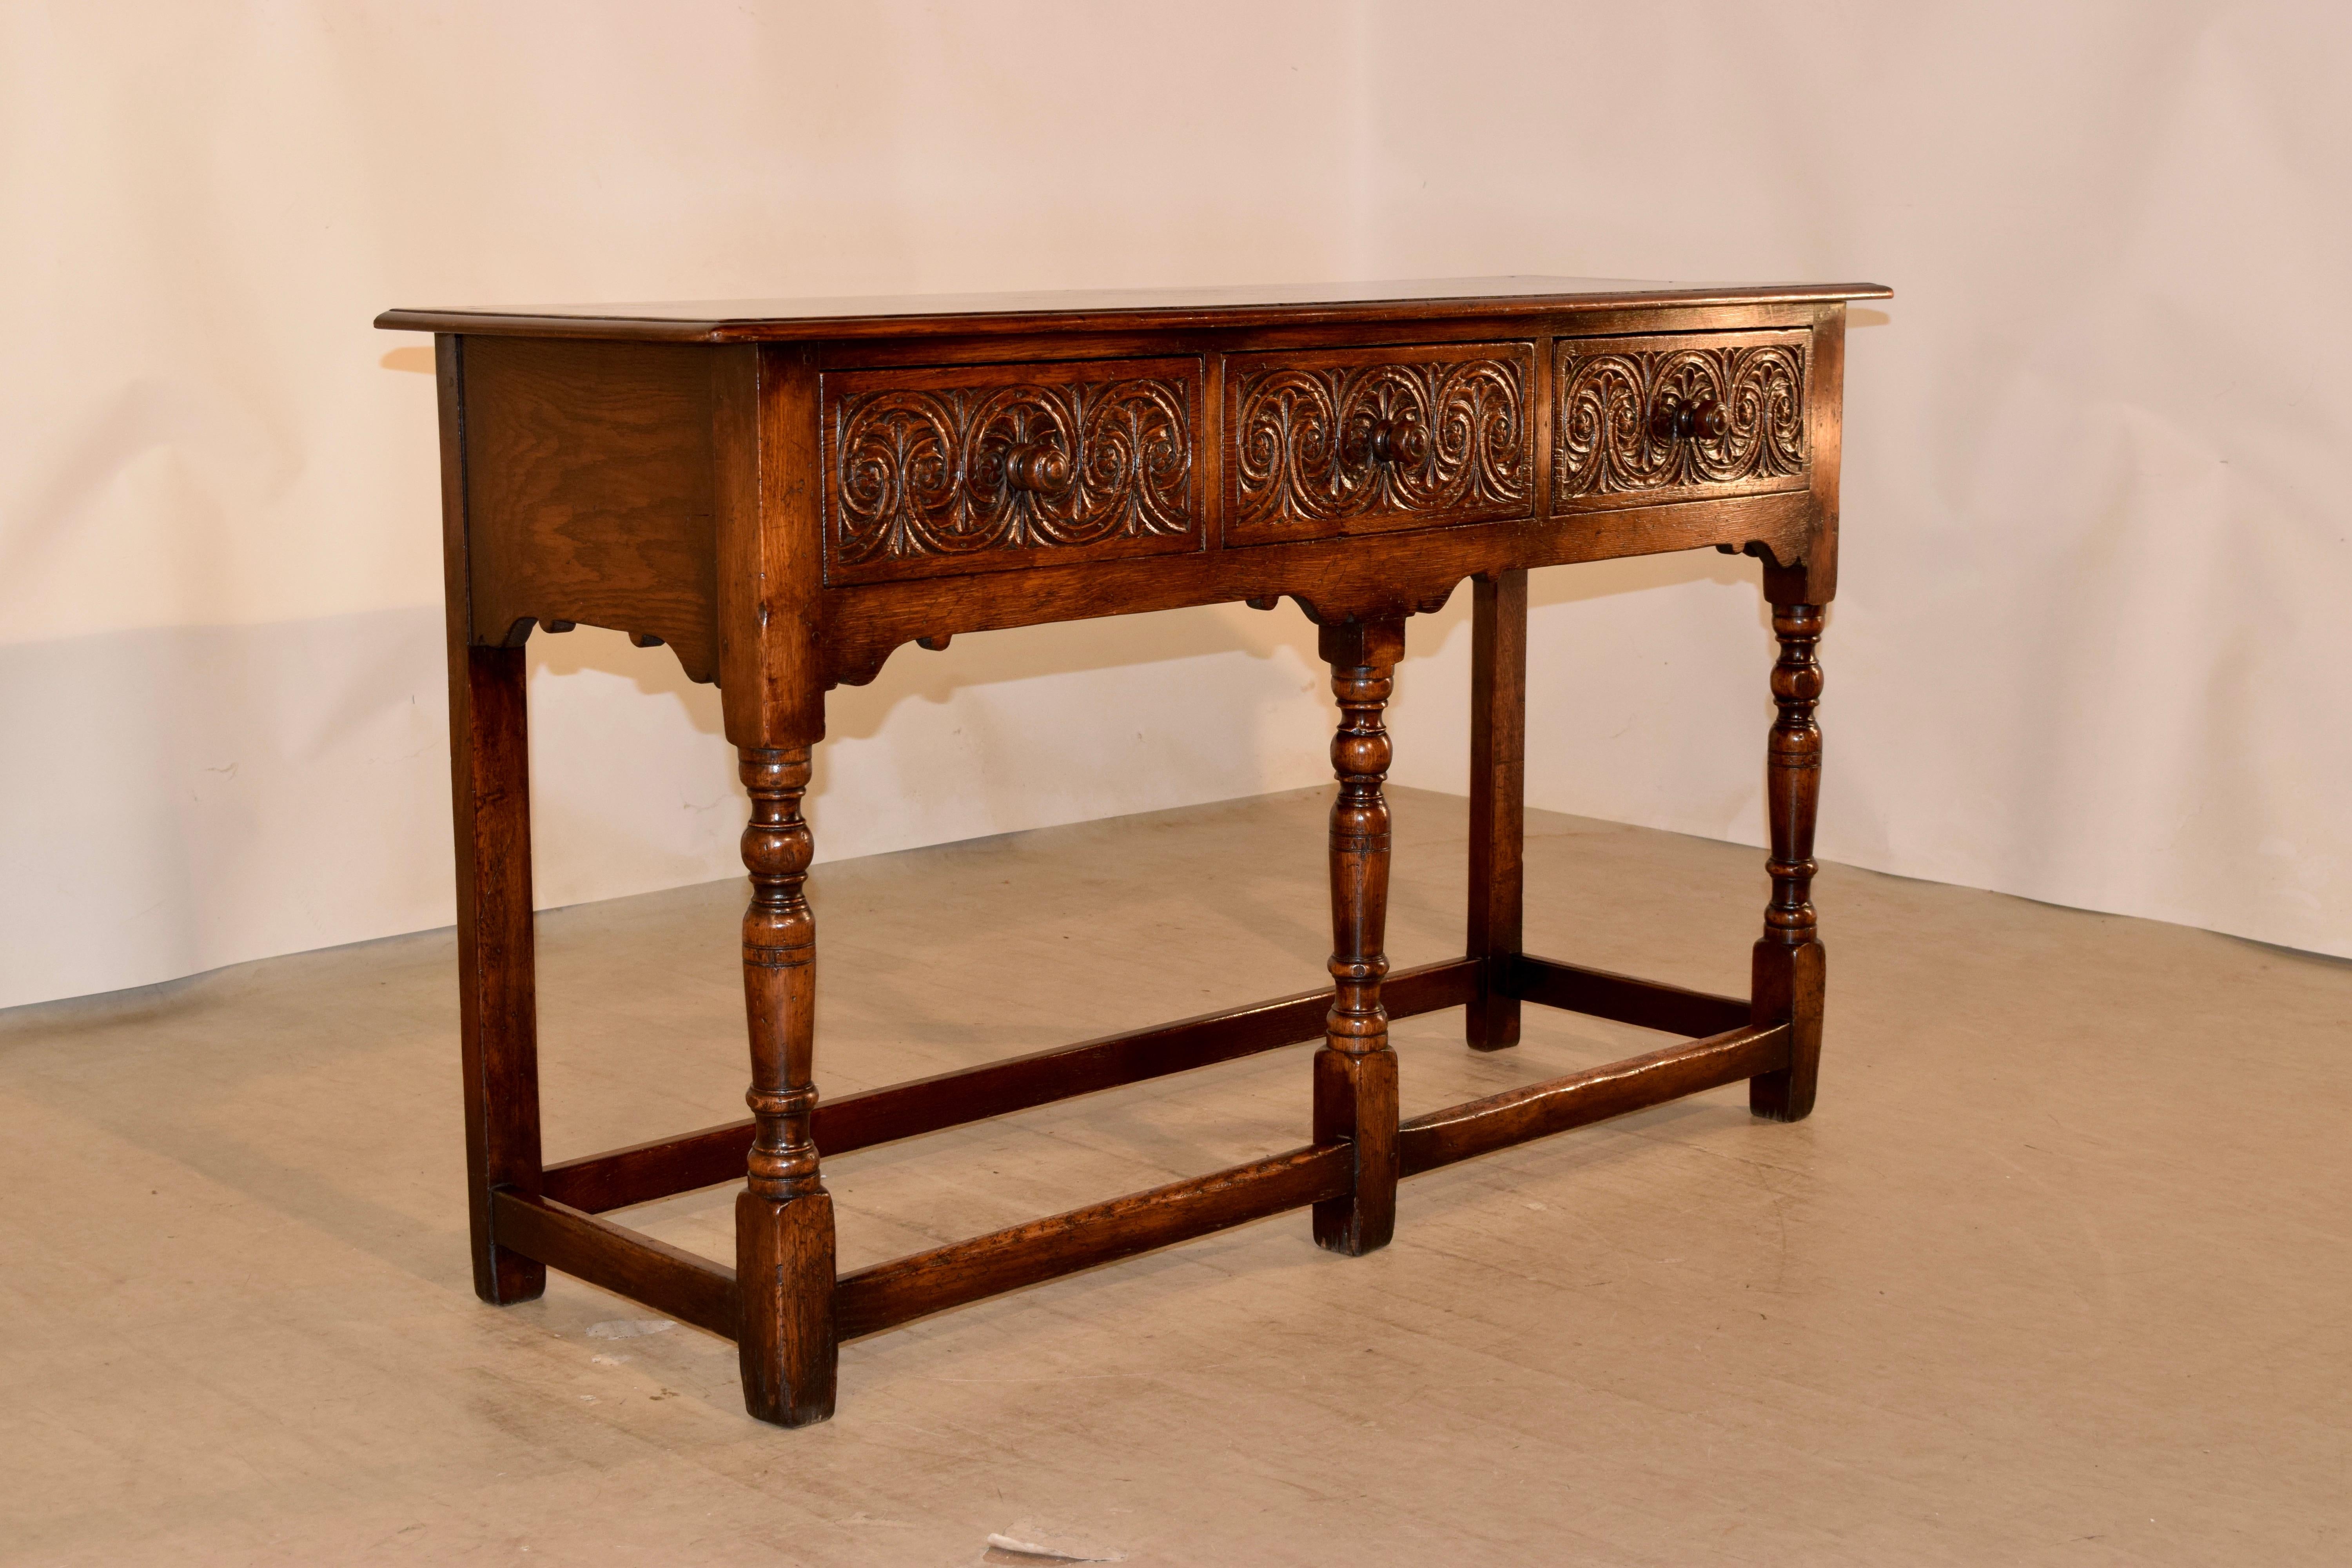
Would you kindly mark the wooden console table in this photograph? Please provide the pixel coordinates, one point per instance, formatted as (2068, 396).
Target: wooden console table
(784, 492)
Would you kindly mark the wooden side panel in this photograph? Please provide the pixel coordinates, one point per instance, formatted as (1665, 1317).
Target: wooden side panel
(590, 491)
(1827, 418)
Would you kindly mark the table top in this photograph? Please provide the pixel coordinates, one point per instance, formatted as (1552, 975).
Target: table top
(1096, 310)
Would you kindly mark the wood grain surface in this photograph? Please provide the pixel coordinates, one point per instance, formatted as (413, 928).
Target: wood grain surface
(786, 492)
(1085, 311)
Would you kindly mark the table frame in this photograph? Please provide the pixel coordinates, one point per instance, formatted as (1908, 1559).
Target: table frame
(758, 615)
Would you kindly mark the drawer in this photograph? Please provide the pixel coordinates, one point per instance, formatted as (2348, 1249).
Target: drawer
(1642, 421)
(938, 472)
(1356, 440)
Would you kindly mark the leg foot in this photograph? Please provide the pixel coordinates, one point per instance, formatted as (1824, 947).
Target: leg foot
(783, 1266)
(1788, 984)
(1356, 1104)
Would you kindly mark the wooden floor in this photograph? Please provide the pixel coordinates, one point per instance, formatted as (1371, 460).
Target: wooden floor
(2057, 1273)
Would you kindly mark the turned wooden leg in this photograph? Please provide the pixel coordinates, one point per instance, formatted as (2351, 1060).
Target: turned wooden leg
(783, 1219)
(1789, 962)
(1498, 787)
(496, 1007)
(1355, 1071)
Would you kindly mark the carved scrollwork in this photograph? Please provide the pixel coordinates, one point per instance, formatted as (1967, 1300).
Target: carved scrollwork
(947, 471)
(1328, 444)
(1650, 414)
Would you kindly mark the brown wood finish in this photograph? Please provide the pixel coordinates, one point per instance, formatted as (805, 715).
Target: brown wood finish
(681, 473)
(950, 469)
(670, 1280)
(658, 1168)
(1790, 962)
(769, 493)
(1498, 779)
(1597, 994)
(1538, 1111)
(890, 1293)
(1679, 417)
(590, 489)
(1354, 440)
(1355, 1072)
(864, 622)
(1130, 341)
(1810, 575)
(1374, 576)
(661, 1168)
(783, 1219)
(1075, 313)
(489, 790)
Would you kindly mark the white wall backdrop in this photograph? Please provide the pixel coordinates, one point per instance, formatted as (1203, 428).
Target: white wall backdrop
(2092, 641)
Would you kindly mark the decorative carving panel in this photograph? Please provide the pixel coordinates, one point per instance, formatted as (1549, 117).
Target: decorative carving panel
(1323, 443)
(1643, 420)
(935, 472)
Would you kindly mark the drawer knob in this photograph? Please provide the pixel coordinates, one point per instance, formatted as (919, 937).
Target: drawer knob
(1037, 468)
(1402, 442)
(1700, 420)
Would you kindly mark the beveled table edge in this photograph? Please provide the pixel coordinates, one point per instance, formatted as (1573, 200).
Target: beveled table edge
(920, 316)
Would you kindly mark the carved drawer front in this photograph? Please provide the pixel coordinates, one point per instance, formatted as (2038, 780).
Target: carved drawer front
(936, 472)
(1641, 421)
(1357, 441)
